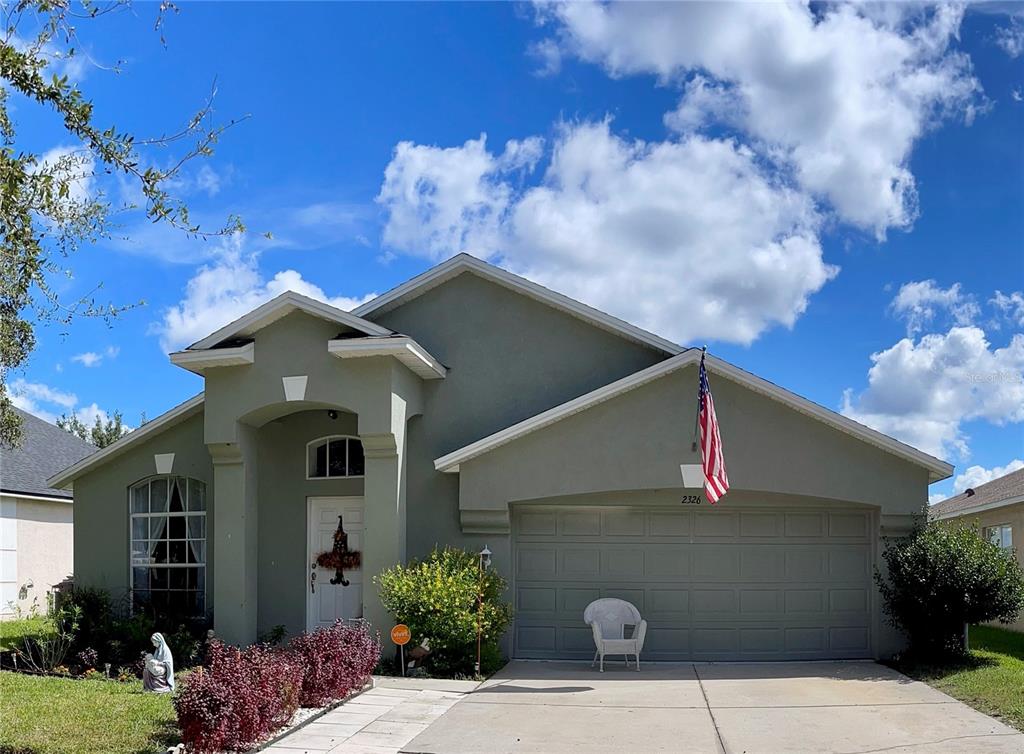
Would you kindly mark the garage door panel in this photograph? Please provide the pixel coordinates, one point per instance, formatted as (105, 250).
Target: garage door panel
(757, 524)
(784, 584)
(624, 524)
(669, 524)
(715, 525)
(623, 563)
(580, 524)
(668, 603)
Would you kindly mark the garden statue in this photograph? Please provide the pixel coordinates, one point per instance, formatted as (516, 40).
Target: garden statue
(158, 673)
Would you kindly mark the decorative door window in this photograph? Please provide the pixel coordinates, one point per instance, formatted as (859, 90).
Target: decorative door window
(335, 457)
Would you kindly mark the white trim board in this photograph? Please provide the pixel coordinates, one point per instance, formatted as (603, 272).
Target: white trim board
(34, 498)
(199, 361)
(466, 263)
(980, 508)
(63, 479)
(938, 469)
(282, 306)
(403, 348)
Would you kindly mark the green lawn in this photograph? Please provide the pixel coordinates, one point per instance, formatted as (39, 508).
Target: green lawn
(12, 631)
(45, 715)
(990, 680)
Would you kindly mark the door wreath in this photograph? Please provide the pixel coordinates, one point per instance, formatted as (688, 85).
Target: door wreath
(339, 557)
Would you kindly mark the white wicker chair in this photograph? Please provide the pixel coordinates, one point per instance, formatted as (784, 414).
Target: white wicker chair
(608, 619)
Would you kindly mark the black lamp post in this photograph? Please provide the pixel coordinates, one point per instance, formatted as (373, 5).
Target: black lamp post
(482, 565)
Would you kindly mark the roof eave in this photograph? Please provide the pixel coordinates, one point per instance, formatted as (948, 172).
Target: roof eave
(980, 508)
(281, 306)
(63, 479)
(937, 468)
(468, 263)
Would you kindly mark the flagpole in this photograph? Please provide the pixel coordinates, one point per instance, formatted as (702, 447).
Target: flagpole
(696, 418)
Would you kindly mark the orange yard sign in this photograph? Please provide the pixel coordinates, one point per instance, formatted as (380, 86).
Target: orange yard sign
(400, 634)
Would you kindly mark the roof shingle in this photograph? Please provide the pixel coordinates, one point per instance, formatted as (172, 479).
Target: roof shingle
(1006, 487)
(45, 450)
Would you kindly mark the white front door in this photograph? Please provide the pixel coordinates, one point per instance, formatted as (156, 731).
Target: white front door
(326, 602)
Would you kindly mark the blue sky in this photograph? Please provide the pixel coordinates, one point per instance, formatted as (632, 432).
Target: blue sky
(801, 189)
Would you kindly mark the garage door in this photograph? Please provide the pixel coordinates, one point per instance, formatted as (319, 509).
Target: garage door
(713, 583)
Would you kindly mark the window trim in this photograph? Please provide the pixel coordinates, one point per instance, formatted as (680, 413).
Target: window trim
(184, 514)
(986, 533)
(327, 439)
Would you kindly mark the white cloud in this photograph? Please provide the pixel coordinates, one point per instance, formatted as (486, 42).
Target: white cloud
(88, 359)
(838, 96)
(922, 391)
(1011, 38)
(225, 289)
(93, 358)
(919, 302)
(73, 164)
(1010, 305)
(208, 180)
(444, 200)
(689, 238)
(975, 476)
(548, 55)
(48, 402)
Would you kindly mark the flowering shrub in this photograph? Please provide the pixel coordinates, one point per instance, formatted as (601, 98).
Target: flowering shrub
(241, 696)
(337, 660)
(437, 599)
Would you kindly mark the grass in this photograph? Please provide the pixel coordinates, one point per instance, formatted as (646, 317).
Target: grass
(45, 715)
(13, 631)
(991, 679)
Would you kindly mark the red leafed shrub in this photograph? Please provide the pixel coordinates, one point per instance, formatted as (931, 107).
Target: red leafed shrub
(337, 660)
(239, 698)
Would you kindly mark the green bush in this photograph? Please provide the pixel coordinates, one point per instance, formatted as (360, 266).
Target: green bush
(437, 599)
(943, 577)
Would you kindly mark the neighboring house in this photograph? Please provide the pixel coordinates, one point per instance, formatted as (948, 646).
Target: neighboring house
(470, 406)
(35, 519)
(997, 508)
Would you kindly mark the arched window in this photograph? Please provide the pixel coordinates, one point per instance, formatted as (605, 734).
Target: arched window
(334, 457)
(168, 555)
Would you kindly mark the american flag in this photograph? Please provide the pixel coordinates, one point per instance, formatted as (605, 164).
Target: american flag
(716, 483)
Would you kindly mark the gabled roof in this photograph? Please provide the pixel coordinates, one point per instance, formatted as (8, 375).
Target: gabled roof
(178, 414)
(1006, 490)
(281, 306)
(461, 263)
(937, 468)
(44, 450)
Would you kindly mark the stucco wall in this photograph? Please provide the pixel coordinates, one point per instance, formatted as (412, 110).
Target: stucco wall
(101, 505)
(1014, 516)
(283, 490)
(37, 549)
(638, 440)
(509, 358)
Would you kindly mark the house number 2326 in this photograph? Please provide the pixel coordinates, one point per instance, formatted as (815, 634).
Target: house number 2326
(691, 500)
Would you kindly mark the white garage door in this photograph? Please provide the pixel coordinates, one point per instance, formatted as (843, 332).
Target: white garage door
(713, 583)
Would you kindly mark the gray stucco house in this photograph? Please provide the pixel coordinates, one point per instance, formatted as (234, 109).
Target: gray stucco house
(470, 406)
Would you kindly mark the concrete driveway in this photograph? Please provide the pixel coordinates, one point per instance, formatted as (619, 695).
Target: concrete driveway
(779, 707)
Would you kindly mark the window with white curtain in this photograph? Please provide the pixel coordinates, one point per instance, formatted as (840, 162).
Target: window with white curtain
(168, 537)
(335, 457)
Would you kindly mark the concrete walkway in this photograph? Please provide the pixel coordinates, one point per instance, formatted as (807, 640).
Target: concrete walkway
(379, 721)
(851, 707)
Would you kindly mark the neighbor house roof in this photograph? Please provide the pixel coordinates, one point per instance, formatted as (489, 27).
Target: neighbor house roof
(44, 450)
(178, 414)
(937, 469)
(281, 306)
(461, 263)
(1006, 490)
